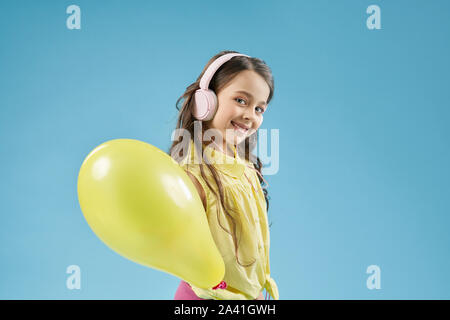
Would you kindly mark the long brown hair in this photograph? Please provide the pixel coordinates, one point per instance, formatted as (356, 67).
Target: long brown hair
(185, 105)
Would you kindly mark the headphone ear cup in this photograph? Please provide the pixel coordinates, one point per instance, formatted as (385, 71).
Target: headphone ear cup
(205, 104)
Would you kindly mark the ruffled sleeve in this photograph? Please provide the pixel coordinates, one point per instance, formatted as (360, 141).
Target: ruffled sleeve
(272, 288)
(194, 169)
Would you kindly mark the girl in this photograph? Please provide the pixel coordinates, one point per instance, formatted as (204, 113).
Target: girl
(228, 177)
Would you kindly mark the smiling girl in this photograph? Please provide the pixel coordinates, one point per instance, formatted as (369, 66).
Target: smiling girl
(228, 101)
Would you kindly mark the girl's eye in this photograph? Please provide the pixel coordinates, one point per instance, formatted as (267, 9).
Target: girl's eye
(237, 99)
(240, 99)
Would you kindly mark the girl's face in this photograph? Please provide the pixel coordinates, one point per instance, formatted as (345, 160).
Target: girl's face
(241, 103)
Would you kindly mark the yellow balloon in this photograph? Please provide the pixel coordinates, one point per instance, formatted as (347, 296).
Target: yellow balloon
(142, 204)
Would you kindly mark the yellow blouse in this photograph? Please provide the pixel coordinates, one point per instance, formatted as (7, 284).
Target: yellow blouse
(242, 191)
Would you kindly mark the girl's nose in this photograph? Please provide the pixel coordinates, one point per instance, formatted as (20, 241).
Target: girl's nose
(250, 114)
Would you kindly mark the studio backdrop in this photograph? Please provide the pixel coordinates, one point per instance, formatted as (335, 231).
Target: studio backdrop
(357, 132)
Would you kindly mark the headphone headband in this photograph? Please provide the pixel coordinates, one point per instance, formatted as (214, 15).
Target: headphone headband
(209, 73)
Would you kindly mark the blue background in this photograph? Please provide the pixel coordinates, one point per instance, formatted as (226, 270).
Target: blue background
(362, 114)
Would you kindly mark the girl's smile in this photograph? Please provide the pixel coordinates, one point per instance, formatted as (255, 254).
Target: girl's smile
(240, 128)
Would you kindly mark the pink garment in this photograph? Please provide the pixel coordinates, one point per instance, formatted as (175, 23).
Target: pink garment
(185, 292)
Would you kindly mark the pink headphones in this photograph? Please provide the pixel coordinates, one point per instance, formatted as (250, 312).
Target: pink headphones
(205, 99)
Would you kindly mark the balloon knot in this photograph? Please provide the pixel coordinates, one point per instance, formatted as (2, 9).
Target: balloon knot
(221, 285)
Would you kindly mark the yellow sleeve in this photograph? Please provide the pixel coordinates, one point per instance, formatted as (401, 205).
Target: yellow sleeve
(272, 288)
(195, 171)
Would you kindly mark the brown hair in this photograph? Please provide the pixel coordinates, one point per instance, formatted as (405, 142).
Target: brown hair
(186, 121)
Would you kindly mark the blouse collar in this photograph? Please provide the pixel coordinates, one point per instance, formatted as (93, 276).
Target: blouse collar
(232, 166)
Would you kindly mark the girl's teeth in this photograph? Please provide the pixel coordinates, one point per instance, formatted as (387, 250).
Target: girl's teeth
(241, 130)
